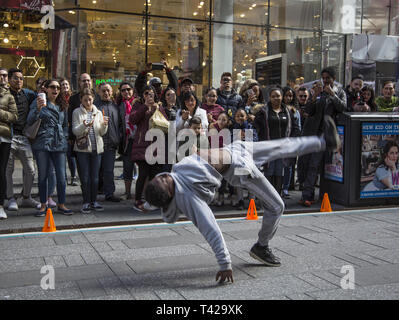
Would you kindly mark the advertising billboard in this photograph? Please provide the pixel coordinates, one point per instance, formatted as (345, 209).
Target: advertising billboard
(379, 176)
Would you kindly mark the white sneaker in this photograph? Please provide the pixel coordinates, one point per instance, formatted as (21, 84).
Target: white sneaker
(12, 205)
(149, 207)
(51, 203)
(3, 214)
(29, 203)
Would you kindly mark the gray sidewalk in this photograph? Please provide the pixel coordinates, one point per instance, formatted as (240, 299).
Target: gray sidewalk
(174, 261)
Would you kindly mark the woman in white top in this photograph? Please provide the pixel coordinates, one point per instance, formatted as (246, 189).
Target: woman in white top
(189, 109)
(89, 125)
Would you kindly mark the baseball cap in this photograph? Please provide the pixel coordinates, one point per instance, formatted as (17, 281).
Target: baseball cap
(155, 80)
(187, 80)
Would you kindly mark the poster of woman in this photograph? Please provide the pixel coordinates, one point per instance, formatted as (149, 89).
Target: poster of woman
(380, 167)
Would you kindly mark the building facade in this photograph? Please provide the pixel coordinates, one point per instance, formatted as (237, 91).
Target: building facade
(113, 40)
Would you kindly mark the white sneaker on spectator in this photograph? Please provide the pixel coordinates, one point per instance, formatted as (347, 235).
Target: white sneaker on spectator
(29, 203)
(12, 205)
(149, 207)
(51, 203)
(3, 214)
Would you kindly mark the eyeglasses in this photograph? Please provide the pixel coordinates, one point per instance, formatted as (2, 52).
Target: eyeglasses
(302, 96)
(126, 89)
(5, 75)
(54, 87)
(226, 79)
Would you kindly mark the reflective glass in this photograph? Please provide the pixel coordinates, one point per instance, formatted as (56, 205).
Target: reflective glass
(196, 9)
(376, 16)
(111, 46)
(343, 16)
(185, 47)
(334, 54)
(136, 6)
(295, 13)
(25, 44)
(301, 52)
(241, 11)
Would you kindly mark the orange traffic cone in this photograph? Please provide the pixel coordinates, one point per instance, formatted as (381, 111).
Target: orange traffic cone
(325, 205)
(49, 218)
(252, 214)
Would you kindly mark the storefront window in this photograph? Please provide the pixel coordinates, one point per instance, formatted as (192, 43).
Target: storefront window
(301, 55)
(235, 49)
(342, 16)
(241, 11)
(296, 13)
(394, 28)
(111, 46)
(194, 9)
(334, 54)
(137, 6)
(24, 44)
(184, 45)
(63, 4)
(376, 16)
(250, 43)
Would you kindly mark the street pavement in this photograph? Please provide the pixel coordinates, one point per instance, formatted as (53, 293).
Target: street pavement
(322, 254)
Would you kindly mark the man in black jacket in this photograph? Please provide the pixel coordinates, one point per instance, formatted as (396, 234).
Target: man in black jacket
(352, 92)
(228, 98)
(327, 99)
(111, 141)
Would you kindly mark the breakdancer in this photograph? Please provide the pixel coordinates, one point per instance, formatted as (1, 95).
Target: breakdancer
(191, 186)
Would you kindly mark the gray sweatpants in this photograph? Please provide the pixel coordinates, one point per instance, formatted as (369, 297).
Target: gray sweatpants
(243, 171)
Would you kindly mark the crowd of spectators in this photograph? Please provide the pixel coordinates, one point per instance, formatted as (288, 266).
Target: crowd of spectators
(89, 129)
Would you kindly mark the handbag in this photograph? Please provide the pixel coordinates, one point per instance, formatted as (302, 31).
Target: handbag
(158, 121)
(83, 142)
(31, 131)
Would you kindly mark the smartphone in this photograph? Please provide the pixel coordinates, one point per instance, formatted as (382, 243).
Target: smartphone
(158, 66)
(250, 92)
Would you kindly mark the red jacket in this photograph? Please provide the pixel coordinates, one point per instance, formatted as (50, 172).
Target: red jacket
(140, 117)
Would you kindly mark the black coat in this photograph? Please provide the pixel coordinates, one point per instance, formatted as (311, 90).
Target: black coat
(229, 103)
(323, 105)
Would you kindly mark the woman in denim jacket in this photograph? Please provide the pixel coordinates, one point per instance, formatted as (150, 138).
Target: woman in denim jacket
(50, 144)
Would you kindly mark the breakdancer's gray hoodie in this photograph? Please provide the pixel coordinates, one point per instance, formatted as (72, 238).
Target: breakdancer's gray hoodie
(196, 182)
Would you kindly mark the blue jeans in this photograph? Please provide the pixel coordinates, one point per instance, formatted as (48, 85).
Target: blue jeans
(89, 168)
(275, 168)
(44, 161)
(51, 179)
(71, 160)
(312, 163)
(107, 172)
